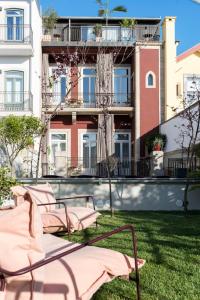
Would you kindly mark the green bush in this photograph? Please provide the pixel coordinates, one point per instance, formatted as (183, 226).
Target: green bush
(6, 182)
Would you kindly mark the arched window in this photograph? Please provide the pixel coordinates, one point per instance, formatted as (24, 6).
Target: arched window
(150, 80)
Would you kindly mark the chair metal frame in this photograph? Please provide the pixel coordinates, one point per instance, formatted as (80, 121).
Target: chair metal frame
(5, 273)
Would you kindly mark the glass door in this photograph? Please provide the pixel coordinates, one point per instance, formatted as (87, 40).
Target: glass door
(89, 153)
(15, 26)
(122, 152)
(89, 80)
(14, 86)
(59, 153)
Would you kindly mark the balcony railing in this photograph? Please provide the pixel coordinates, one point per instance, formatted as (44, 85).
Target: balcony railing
(92, 166)
(86, 100)
(16, 34)
(15, 101)
(108, 34)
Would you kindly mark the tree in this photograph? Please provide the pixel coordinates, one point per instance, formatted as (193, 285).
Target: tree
(189, 124)
(189, 129)
(106, 11)
(6, 182)
(17, 133)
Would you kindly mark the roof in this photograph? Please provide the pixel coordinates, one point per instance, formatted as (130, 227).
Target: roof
(188, 52)
(111, 19)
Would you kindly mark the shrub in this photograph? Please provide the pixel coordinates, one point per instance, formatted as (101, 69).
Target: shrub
(6, 182)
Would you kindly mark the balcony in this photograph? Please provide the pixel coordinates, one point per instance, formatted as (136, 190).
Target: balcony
(15, 38)
(16, 102)
(63, 34)
(90, 166)
(84, 102)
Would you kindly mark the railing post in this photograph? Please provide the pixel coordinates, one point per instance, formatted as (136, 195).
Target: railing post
(69, 30)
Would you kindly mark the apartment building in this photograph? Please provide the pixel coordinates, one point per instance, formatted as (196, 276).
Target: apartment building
(20, 57)
(130, 68)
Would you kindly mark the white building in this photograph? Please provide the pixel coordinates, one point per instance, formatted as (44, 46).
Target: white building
(20, 57)
(20, 66)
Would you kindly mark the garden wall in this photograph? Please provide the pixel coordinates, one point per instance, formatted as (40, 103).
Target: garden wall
(128, 194)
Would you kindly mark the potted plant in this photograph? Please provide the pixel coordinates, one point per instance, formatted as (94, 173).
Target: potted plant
(158, 144)
(127, 26)
(155, 142)
(49, 20)
(97, 30)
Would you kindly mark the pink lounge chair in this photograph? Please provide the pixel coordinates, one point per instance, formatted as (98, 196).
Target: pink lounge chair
(44, 267)
(58, 219)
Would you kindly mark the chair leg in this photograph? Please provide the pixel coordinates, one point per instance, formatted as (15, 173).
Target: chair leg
(2, 283)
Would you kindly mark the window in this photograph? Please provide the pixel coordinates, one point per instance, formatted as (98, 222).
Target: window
(191, 88)
(15, 26)
(123, 152)
(150, 80)
(59, 88)
(59, 150)
(89, 152)
(14, 87)
(88, 88)
(121, 85)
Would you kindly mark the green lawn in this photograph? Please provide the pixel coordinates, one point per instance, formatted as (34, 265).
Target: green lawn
(170, 244)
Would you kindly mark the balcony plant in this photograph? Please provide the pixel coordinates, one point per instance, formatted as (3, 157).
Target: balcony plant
(156, 142)
(97, 31)
(128, 23)
(49, 20)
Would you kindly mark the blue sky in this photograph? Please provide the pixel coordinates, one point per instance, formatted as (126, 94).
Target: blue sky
(186, 11)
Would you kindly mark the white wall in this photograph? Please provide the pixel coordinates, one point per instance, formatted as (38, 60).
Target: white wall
(170, 128)
(30, 63)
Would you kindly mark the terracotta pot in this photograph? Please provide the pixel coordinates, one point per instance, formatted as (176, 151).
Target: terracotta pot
(157, 147)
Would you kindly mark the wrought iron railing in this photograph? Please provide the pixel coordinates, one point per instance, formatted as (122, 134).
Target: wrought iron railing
(176, 164)
(93, 166)
(16, 34)
(16, 101)
(110, 34)
(88, 100)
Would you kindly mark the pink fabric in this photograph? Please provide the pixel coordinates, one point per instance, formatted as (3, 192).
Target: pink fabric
(80, 274)
(75, 276)
(20, 240)
(41, 193)
(79, 217)
(53, 219)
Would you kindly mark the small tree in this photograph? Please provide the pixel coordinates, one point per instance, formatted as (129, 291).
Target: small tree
(17, 133)
(49, 19)
(106, 11)
(189, 128)
(6, 182)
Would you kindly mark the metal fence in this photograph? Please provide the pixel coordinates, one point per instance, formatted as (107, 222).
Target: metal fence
(16, 33)
(79, 166)
(113, 34)
(16, 101)
(177, 164)
(88, 100)
(144, 167)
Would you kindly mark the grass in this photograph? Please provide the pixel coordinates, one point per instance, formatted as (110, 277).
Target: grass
(170, 244)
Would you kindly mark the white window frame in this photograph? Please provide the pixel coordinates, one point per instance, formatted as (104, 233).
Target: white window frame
(68, 78)
(124, 131)
(81, 132)
(22, 25)
(154, 80)
(6, 76)
(81, 69)
(185, 78)
(129, 78)
(68, 141)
